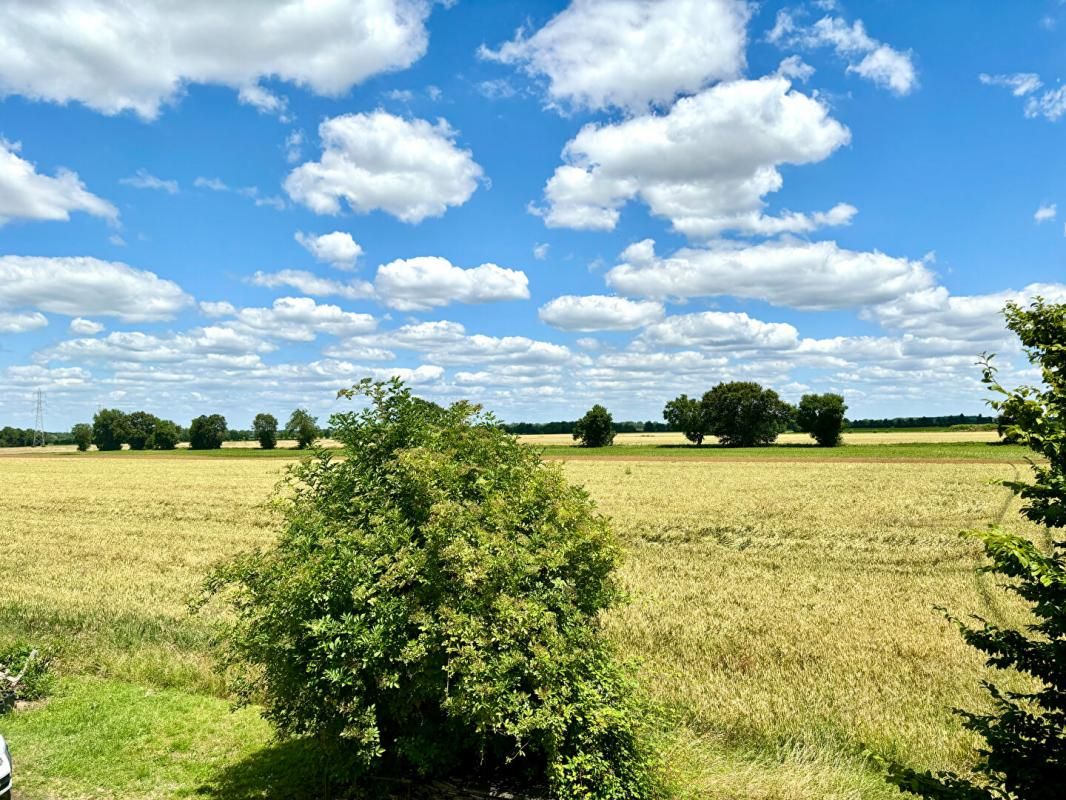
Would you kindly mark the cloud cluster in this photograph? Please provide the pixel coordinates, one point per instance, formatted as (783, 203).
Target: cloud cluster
(100, 53)
(411, 169)
(867, 57)
(599, 313)
(417, 284)
(1049, 104)
(631, 54)
(812, 276)
(707, 165)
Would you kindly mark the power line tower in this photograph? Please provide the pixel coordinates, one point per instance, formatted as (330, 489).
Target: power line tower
(38, 424)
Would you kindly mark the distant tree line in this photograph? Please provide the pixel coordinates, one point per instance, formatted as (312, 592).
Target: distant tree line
(23, 437)
(112, 428)
(924, 422)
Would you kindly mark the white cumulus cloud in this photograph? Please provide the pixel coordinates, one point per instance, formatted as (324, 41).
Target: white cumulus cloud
(630, 54)
(82, 286)
(21, 321)
(796, 274)
(113, 57)
(314, 285)
(85, 327)
(411, 169)
(706, 165)
(599, 313)
(338, 249)
(417, 284)
(1046, 213)
(27, 194)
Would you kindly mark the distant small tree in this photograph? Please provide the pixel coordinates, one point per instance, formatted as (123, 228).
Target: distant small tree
(743, 414)
(302, 427)
(207, 432)
(265, 427)
(83, 435)
(109, 429)
(688, 415)
(1024, 756)
(140, 425)
(822, 416)
(165, 436)
(596, 428)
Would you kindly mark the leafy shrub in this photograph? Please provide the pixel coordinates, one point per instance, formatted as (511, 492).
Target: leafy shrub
(35, 683)
(207, 433)
(743, 414)
(822, 416)
(433, 604)
(265, 427)
(1024, 756)
(596, 428)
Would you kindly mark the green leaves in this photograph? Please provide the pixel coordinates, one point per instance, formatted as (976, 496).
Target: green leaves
(1024, 755)
(432, 606)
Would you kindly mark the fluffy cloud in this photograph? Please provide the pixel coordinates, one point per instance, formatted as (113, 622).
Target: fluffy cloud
(300, 319)
(796, 274)
(935, 313)
(411, 169)
(447, 342)
(719, 330)
(85, 327)
(338, 249)
(417, 284)
(79, 286)
(599, 313)
(21, 321)
(314, 285)
(99, 53)
(629, 54)
(706, 165)
(143, 179)
(877, 62)
(27, 194)
(1045, 213)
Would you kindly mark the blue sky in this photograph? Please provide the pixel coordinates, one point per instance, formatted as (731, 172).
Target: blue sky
(536, 205)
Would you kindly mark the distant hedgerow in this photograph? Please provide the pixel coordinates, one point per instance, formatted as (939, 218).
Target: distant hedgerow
(433, 605)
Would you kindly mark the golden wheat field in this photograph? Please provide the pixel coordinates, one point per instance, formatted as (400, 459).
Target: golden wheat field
(782, 614)
(851, 438)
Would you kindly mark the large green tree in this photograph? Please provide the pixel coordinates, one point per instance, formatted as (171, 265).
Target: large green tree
(596, 428)
(265, 428)
(1024, 754)
(140, 425)
(822, 416)
(109, 429)
(744, 414)
(207, 432)
(688, 415)
(433, 606)
(302, 427)
(165, 436)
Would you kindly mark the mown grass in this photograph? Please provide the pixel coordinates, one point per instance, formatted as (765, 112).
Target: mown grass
(781, 613)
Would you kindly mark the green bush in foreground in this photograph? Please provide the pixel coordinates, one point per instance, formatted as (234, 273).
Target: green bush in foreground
(1024, 757)
(432, 607)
